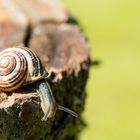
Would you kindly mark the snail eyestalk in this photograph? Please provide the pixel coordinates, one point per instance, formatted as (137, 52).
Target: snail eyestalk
(67, 110)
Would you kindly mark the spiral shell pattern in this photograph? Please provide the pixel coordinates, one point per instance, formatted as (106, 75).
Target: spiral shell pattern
(19, 66)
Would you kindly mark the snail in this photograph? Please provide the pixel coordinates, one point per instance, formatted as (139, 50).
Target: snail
(21, 66)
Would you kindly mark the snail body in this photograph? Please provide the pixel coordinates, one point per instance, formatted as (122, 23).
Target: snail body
(20, 66)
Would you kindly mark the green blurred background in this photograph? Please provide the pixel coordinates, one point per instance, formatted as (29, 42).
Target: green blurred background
(113, 104)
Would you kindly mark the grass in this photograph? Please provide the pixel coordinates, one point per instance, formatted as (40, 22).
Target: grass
(113, 104)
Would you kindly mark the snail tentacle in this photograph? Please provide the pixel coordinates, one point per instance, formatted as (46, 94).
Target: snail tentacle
(45, 117)
(67, 110)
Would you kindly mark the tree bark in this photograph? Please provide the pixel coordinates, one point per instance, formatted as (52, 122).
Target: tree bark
(64, 52)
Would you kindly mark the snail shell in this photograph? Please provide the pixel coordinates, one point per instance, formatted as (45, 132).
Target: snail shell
(19, 66)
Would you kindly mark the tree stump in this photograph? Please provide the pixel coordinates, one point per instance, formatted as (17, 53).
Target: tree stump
(45, 27)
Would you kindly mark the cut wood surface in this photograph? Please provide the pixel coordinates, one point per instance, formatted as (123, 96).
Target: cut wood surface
(66, 48)
(64, 53)
(42, 11)
(13, 24)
